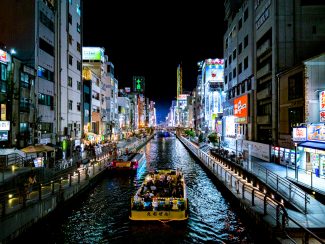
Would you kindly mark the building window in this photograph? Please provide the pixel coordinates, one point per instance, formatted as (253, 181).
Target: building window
(243, 87)
(234, 54)
(226, 79)
(46, 127)
(240, 24)
(70, 59)
(78, 106)
(234, 73)
(23, 127)
(45, 73)
(246, 63)
(46, 47)
(229, 59)
(70, 104)
(249, 84)
(78, 65)
(246, 41)
(46, 21)
(240, 68)
(238, 90)
(70, 19)
(230, 76)
(78, 10)
(245, 14)
(78, 47)
(3, 87)
(78, 85)
(69, 81)
(295, 86)
(240, 48)
(3, 72)
(226, 42)
(314, 29)
(45, 99)
(295, 115)
(70, 39)
(78, 27)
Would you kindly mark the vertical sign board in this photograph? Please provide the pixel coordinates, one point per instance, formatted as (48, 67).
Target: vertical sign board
(322, 106)
(241, 109)
(139, 84)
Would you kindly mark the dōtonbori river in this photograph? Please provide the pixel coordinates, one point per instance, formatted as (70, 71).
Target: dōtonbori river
(102, 214)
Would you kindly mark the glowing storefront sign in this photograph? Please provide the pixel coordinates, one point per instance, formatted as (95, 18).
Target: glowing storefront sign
(4, 57)
(241, 109)
(214, 73)
(92, 53)
(230, 126)
(316, 132)
(5, 125)
(299, 134)
(322, 106)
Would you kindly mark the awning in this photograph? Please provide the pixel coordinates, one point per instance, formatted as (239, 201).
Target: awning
(37, 149)
(315, 145)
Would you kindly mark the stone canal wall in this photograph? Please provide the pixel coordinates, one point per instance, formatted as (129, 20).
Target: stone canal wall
(265, 212)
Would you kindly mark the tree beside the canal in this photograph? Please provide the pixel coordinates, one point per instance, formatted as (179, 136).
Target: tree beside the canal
(213, 138)
(190, 133)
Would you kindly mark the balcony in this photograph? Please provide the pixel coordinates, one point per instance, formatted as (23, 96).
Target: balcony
(263, 119)
(266, 69)
(266, 93)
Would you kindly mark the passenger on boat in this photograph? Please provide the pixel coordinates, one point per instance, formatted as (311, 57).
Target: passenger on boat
(155, 204)
(175, 206)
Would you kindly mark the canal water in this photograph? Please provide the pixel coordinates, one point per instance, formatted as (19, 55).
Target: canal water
(101, 215)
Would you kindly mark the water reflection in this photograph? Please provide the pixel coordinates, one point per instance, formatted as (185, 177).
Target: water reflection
(102, 215)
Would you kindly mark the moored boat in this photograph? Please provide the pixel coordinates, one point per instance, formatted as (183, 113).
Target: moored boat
(162, 196)
(130, 161)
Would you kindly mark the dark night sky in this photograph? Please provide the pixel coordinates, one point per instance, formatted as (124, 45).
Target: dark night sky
(152, 39)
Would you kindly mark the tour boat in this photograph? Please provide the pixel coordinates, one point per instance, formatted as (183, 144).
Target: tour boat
(162, 196)
(130, 161)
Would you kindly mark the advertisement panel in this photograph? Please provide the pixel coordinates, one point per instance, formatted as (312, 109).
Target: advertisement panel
(214, 73)
(4, 56)
(316, 132)
(299, 134)
(322, 106)
(92, 53)
(5, 125)
(230, 126)
(241, 109)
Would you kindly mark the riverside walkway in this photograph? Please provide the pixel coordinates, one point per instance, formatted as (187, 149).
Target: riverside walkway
(309, 213)
(69, 183)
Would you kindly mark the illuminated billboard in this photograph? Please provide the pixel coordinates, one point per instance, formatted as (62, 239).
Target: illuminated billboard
(299, 134)
(214, 70)
(4, 56)
(316, 132)
(92, 53)
(241, 108)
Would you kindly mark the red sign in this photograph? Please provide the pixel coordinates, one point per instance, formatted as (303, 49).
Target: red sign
(4, 56)
(322, 116)
(241, 106)
(322, 101)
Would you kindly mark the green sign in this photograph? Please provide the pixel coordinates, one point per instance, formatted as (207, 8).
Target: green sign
(64, 145)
